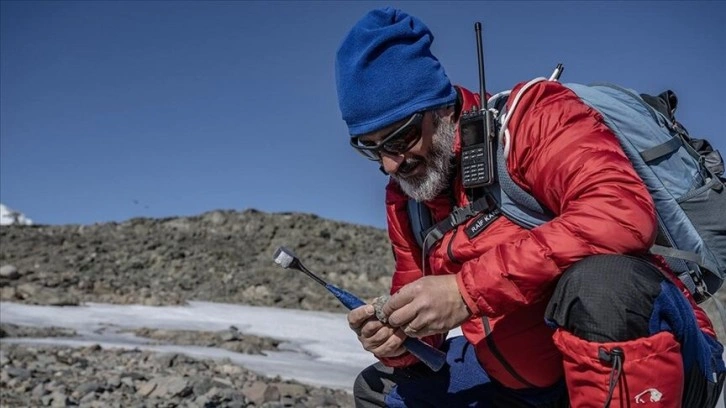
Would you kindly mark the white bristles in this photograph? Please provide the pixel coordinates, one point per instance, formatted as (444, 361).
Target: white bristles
(284, 257)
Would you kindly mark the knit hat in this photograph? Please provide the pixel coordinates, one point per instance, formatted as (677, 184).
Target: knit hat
(385, 72)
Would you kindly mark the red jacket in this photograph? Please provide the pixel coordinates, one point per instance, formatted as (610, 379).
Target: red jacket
(566, 157)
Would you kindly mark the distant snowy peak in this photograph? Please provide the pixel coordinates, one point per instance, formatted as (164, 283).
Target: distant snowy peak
(9, 216)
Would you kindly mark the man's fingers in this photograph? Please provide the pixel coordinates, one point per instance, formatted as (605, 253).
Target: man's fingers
(402, 316)
(378, 338)
(370, 328)
(420, 327)
(392, 347)
(398, 300)
(414, 328)
(358, 316)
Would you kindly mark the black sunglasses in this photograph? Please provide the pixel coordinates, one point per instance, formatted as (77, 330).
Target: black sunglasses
(396, 143)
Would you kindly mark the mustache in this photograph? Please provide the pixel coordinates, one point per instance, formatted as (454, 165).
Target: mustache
(406, 166)
(409, 164)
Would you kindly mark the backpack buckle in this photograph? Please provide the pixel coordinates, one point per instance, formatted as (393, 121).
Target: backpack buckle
(693, 280)
(460, 215)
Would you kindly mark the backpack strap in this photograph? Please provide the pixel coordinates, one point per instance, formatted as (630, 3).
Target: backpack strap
(677, 253)
(692, 279)
(662, 150)
(517, 195)
(508, 186)
(430, 236)
(420, 218)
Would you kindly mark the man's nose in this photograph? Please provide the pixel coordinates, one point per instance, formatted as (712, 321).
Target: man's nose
(391, 162)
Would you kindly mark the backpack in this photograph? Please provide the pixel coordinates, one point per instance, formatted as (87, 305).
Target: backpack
(683, 175)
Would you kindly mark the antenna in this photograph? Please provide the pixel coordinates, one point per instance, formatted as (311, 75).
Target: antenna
(558, 71)
(480, 56)
(478, 134)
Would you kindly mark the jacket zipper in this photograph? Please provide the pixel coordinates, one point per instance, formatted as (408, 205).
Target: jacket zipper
(498, 355)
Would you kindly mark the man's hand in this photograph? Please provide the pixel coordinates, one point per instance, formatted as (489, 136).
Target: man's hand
(380, 339)
(427, 306)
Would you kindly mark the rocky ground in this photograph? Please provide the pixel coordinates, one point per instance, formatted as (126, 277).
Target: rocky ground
(93, 377)
(230, 339)
(35, 376)
(220, 256)
(13, 330)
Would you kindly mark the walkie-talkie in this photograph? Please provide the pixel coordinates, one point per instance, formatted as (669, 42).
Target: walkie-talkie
(478, 133)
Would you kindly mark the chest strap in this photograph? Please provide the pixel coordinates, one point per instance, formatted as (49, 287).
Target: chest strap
(431, 235)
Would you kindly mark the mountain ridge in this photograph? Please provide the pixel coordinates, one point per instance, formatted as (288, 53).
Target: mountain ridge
(220, 255)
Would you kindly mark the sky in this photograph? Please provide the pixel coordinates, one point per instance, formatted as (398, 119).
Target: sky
(114, 110)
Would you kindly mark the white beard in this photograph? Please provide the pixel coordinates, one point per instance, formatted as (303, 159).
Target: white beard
(437, 166)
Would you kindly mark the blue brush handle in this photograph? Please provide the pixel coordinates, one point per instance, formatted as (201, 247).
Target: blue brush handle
(348, 299)
(432, 357)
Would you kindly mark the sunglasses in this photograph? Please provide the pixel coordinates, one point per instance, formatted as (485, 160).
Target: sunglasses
(396, 143)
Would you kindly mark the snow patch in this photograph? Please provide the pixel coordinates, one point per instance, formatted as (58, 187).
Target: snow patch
(8, 216)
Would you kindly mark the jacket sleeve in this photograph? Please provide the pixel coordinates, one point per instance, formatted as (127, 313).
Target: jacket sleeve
(407, 255)
(567, 158)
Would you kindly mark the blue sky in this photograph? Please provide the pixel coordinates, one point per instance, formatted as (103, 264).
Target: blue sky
(112, 110)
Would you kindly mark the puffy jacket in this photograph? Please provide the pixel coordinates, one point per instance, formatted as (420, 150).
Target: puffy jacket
(566, 157)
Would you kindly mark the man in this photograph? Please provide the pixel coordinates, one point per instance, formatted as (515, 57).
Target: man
(571, 313)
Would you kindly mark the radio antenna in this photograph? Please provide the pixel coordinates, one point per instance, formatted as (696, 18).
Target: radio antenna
(480, 56)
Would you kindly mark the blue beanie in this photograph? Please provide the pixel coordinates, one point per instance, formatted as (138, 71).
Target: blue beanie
(385, 72)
